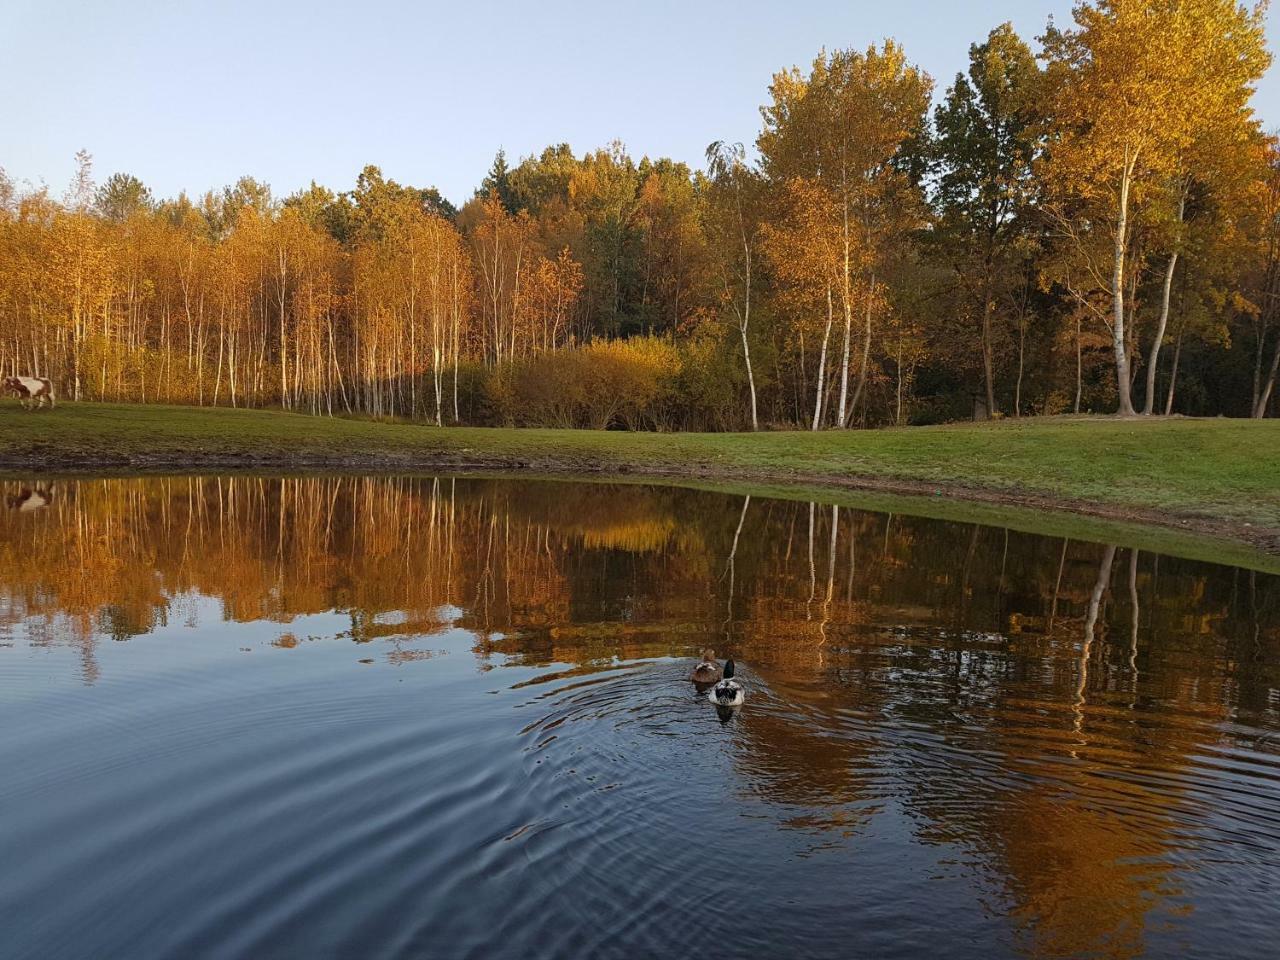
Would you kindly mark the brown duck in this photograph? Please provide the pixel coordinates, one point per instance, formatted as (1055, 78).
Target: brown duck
(708, 671)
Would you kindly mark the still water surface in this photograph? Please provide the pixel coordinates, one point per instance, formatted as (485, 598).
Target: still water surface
(380, 717)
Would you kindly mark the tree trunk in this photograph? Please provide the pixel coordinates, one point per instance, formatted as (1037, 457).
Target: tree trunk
(1125, 406)
(1165, 291)
(284, 361)
(897, 416)
(1022, 353)
(1261, 328)
(1154, 357)
(745, 324)
(844, 356)
(988, 309)
(1173, 376)
(1264, 397)
(1079, 366)
(751, 379)
(822, 363)
(746, 299)
(866, 351)
(846, 292)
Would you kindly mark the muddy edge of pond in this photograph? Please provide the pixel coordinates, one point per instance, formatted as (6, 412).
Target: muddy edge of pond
(1266, 539)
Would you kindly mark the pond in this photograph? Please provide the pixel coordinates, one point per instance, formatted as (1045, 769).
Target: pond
(451, 717)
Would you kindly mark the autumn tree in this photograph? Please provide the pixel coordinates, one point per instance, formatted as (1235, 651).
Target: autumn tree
(1259, 276)
(1131, 81)
(846, 128)
(804, 246)
(732, 199)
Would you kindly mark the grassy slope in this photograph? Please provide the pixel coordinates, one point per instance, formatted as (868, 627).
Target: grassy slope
(1225, 470)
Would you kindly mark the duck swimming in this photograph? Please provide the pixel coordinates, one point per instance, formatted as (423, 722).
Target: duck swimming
(708, 671)
(728, 692)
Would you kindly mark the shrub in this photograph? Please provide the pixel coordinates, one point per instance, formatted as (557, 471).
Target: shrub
(630, 384)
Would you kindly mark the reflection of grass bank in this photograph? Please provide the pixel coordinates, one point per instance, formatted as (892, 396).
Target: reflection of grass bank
(1205, 477)
(1188, 543)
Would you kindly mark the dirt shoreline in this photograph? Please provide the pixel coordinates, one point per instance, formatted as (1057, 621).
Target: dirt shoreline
(1262, 538)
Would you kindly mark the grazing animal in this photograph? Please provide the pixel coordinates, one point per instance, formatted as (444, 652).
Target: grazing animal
(708, 671)
(31, 390)
(29, 500)
(728, 692)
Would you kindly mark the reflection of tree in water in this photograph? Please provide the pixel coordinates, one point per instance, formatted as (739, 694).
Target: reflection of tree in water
(533, 559)
(564, 571)
(994, 682)
(112, 558)
(1048, 720)
(996, 685)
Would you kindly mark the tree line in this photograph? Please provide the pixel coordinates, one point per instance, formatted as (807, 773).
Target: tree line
(1090, 226)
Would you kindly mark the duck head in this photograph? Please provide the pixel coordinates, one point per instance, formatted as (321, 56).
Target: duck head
(728, 668)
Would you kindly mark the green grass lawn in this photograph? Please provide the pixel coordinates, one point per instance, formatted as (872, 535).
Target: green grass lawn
(1224, 471)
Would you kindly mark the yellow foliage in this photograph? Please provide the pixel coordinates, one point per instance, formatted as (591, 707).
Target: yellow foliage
(628, 384)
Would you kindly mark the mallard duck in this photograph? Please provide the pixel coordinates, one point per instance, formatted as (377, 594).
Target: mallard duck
(728, 692)
(708, 671)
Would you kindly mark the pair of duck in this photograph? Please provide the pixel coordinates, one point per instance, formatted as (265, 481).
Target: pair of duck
(724, 690)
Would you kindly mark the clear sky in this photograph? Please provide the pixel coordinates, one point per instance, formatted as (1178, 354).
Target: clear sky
(190, 95)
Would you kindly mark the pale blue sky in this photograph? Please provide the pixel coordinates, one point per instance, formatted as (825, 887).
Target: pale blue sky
(190, 95)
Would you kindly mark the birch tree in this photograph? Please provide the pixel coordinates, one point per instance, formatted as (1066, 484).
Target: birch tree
(844, 127)
(1131, 79)
(731, 219)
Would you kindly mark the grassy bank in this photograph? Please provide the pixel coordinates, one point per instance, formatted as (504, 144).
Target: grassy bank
(1215, 477)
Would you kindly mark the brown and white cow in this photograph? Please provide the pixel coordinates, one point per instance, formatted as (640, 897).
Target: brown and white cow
(31, 390)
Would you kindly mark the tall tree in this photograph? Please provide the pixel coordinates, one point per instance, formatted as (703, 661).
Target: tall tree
(844, 128)
(1130, 78)
(1262, 279)
(985, 146)
(732, 225)
(121, 197)
(498, 181)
